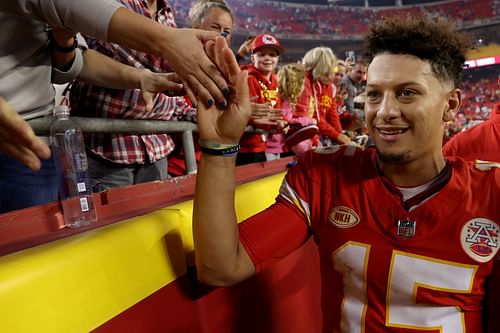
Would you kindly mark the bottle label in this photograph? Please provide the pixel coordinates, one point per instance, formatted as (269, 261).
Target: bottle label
(80, 160)
(81, 187)
(84, 204)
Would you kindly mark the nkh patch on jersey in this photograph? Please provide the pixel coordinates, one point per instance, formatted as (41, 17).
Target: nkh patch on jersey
(480, 239)
(343, 217)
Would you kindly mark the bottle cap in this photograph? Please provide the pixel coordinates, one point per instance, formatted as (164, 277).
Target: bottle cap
(61, 110)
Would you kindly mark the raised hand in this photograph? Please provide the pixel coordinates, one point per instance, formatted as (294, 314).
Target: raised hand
(200, 76)
(245, 47)
(183, 49)
(226, 125)
(18, 140)
(349, 62)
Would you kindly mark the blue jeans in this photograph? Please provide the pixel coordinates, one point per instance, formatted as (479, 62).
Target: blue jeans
(21, 188)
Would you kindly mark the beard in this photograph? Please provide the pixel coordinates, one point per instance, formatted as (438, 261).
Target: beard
(394, 158)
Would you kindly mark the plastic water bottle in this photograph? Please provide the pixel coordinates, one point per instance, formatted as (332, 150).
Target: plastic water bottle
(72, 168)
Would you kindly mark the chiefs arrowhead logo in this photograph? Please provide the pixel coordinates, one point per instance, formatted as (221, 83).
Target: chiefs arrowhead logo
(268, 39)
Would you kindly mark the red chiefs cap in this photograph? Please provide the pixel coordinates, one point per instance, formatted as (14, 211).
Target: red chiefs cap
(267, 40)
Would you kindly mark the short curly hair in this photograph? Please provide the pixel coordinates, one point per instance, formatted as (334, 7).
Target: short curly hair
(436, 41)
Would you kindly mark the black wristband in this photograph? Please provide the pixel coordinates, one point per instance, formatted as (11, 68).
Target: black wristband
(227, 152)
(59, 48)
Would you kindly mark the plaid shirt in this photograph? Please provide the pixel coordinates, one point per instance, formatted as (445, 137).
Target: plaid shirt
(93, 101)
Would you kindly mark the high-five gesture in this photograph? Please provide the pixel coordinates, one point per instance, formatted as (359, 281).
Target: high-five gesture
(183, 48)
(226, 125)
(219, 256)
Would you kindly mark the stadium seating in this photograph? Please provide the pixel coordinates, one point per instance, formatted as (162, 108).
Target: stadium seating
(280, 17)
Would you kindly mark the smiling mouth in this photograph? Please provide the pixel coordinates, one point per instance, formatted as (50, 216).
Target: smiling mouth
(394, 131)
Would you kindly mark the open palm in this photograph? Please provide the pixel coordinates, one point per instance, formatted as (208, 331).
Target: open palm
(226, 125)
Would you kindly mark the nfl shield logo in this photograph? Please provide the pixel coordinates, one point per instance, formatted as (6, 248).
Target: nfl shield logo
(406, 228)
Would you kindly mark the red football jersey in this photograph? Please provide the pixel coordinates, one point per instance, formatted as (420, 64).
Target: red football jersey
(386, 269)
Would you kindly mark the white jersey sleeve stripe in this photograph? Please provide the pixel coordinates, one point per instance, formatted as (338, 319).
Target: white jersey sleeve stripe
(289, 194)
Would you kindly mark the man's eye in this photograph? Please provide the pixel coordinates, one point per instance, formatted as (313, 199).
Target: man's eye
(371, 94)
(407, 93)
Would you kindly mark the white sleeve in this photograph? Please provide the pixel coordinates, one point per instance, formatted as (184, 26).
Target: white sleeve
(61, 77)
(90, 17)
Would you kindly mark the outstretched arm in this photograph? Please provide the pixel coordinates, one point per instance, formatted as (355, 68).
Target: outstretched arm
(183, 48)
(220, 258)
(108, 20)
(101, 70)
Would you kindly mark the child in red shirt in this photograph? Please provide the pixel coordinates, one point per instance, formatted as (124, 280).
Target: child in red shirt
(263, 88)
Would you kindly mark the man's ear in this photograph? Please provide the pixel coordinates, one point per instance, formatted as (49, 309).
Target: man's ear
(453, 105)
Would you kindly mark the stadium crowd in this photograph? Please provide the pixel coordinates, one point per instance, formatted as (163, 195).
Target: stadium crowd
(295, 109)
(284, 18)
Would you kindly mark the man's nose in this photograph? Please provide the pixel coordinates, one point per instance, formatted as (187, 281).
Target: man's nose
(389, 107)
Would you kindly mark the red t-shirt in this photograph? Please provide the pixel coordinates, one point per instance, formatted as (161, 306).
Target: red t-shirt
(373, 279)
(318, 101)
(329, 120)
(480, 142)
(263, 90)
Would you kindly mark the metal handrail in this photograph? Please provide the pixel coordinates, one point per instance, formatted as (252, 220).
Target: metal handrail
(41, 126)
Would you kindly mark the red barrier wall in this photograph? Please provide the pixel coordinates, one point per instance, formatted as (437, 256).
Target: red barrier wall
(283, 299)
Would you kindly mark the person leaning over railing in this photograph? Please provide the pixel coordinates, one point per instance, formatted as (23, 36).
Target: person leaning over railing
(127, 159)
(210, 15)
(25, 78)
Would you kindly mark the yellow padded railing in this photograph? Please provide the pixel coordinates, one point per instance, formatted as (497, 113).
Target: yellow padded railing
(78, 283)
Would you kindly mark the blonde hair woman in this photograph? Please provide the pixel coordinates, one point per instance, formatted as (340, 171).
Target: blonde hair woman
(318, 97)
(212, 15)
(319, 63)
(216, 15)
